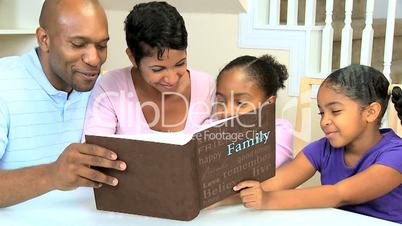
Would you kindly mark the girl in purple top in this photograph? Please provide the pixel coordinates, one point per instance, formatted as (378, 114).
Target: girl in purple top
(360, 164)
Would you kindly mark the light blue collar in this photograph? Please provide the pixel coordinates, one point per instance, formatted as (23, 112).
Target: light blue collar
(34, 68)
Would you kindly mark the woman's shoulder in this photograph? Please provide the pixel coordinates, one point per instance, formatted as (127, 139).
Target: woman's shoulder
(284, 130)
(198, 73)
(283, 124)
(201, 77)
(203, 86)
(115, 78)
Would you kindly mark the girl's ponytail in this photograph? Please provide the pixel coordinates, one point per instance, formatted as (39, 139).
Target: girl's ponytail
(396, 98)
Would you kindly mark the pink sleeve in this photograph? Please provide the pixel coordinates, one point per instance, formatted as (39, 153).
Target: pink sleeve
(284, 142)
(202, 98)
(211, 99)
(100, 116)
(212, 91)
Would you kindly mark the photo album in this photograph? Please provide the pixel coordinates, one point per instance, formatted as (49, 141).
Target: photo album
(175, 175)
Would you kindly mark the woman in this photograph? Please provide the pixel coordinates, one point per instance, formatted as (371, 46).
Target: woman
(158, 93)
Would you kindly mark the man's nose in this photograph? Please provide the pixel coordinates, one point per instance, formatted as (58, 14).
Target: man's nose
(92, 56)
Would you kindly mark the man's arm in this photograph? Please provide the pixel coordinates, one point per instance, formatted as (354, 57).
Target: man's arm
(71, 170)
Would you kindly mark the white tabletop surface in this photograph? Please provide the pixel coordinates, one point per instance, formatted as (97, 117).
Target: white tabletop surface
(78, 208)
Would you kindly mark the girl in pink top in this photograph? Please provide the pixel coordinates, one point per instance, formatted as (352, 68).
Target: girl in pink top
(244, 85)
(158, 93)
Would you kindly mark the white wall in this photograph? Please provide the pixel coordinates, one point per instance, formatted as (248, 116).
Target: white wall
(11, 45)
(381, 6)
(18, 16)
(213, 41)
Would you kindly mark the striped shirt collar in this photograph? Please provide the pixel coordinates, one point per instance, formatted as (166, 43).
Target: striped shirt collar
(34, 68)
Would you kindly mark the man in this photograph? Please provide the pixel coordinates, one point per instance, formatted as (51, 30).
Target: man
(43, 97)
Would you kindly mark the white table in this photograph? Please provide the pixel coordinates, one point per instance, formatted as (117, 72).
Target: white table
(78, 208)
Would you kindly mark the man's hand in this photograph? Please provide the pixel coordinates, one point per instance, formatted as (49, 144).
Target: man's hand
(72, 168)
(252, 194)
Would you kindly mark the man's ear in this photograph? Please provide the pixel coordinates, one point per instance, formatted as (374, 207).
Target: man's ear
(131, 57)
(42, 38)
(373, 111)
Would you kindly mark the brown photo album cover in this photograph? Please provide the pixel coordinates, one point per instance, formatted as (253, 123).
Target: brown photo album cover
(175, 176)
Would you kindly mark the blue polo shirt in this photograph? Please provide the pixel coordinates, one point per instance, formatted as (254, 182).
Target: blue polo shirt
(37, 122)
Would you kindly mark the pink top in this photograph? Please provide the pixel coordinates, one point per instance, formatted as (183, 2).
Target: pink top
(284, 141)
(114, 107)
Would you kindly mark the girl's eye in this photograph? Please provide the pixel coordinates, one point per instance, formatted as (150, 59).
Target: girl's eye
(101, 46)
(157, 70)
(321, 113)
(219, 100)
(180, 64)
(336, 112)
(242, 104)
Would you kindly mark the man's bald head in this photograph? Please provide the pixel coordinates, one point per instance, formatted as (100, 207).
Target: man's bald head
(72, 38)
(53, 10)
